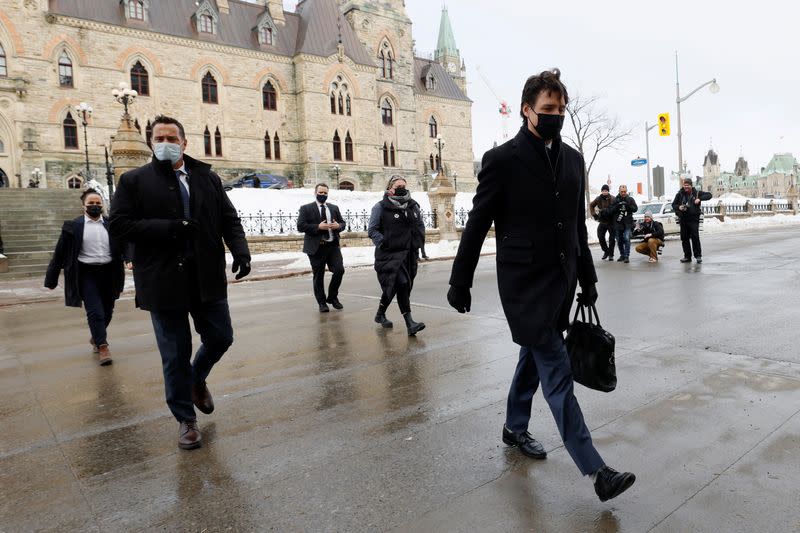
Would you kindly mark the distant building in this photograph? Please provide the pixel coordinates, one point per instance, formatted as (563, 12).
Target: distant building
(773, 181)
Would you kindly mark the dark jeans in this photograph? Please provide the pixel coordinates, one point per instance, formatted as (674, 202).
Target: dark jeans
(330, 255)
(548, 364)
(213, 322)
(602, 229)
(623, 236)
(96, 283)
(690, 238)
(403, 298)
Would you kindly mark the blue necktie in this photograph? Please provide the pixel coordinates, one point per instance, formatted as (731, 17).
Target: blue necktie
(184, 196)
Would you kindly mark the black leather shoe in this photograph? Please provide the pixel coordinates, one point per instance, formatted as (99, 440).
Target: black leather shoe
(323, 308)
(335, 303)
(412, 327)
(626, 260)
(699, 260)
(686, 260)
(526, 444)
(609, 483)
(621, 259)
(202, 399)
(380, 317)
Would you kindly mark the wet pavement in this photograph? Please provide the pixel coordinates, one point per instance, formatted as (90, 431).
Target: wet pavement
(328, 423)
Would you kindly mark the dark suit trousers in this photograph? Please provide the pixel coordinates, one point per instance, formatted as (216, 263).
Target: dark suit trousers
(602, 229)
(690, 238)
(330, 255)
(98, 298)
(213, 322)
(549, 365)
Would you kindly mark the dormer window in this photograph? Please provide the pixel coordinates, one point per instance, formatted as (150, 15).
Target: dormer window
(205, 24)
(265, 29)
(265, 36)
(430, 83)
(136, 10)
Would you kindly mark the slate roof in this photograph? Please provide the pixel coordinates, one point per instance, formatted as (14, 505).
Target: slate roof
(312, 30)
(445, 86)
(711, 157)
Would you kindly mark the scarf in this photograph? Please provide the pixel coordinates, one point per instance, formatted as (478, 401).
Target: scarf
(400, 201)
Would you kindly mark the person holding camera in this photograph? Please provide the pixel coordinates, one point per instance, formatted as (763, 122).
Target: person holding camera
(621, 213)
(605, 224)
(687, 208)
(653, 234)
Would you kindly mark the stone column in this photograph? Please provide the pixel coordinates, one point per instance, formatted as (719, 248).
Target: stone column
(128, 149)
(442, 196)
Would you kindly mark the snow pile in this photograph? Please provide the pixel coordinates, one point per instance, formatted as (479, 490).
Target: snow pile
(713, 226)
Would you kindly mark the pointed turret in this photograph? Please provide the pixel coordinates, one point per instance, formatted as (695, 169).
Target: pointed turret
(447, 53)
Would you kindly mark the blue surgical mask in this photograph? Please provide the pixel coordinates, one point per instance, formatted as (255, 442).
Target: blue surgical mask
(168, 152)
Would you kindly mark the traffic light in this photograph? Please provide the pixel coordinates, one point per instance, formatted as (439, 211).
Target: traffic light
(663, 124)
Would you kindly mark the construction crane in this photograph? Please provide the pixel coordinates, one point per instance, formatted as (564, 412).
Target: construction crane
(504, 109)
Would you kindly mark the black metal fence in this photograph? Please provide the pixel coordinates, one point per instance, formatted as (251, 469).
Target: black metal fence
(279, 222)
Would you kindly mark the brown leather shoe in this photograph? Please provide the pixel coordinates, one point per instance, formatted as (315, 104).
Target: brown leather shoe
(201, 398)
(189, 436)
(95, 349)
(104, 356)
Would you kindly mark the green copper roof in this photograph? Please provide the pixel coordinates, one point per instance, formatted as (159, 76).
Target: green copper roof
(447, 42)
(781, 164)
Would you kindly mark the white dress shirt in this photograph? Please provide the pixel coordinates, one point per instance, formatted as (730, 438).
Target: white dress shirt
(95, 249)
(327, 219)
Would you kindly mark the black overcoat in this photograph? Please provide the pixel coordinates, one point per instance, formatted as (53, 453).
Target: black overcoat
(621, 212)
(66, 257)
(308, 220)
(538, 210)
(147, 210)
(396, 235)
(693, 211)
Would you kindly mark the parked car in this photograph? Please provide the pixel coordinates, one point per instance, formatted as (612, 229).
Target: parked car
(664, 213)
(258, 181)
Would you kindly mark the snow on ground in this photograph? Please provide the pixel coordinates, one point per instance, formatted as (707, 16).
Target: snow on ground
(713, 226)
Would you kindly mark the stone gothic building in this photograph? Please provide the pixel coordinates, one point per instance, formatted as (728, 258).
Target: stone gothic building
(773, 181)
(333, 91)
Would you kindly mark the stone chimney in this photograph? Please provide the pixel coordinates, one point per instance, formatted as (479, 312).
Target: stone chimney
(223, 7)
(276, 11)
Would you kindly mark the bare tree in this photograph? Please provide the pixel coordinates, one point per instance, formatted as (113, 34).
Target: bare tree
(593, 131)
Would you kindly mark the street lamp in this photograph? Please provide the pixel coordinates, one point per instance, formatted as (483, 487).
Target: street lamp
(336, 170)
(124, 96)
(439, 145)
(109, 173)
(85, 111)
(712, 86)
(36, 177)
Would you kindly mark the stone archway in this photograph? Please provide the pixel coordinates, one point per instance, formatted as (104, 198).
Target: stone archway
(346, 186)
(74, 182)
(4, 181)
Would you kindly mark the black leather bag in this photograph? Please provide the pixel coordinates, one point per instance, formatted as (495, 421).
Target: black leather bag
(591, 351)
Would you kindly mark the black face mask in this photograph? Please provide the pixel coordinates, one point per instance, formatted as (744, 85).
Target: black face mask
(322, 198)
(400, 191)
(549, 125)
(94, 211)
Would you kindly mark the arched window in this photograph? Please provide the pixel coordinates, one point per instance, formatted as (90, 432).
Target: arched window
(433, 127)
(438, 164)
(148, 134)
(341, 104)
(140, 80)
(265, 35)
(348, 106)
(218, 142)
(430, 83)
(267, 146)
(348, 147)
(276, 146)
(333, 104)
(386, 113)
(2, 146)
(432, 163)
(70, 132)
(385, 155)
(74, 183)
(391, 65)
(207, 141)
(3, 64)
(382, 57)
(269, 98)
(136, 10)
(391, 156)
(209, 89)
(337, 147)
(205, 24)
(65, 70)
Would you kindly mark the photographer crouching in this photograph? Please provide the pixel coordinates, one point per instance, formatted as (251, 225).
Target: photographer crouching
(687, 208)
(653, 234)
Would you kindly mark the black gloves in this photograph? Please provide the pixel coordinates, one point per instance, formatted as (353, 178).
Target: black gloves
(588, 295)
(459, 298)
(241, 265)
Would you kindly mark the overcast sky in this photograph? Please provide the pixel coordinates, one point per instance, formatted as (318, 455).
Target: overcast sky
(624, 52)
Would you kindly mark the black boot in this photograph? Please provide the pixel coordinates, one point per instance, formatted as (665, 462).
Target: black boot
(413, 327)
(380, 317)
(609, 483)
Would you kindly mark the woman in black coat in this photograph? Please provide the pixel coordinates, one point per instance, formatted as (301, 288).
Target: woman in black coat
(93, 265)
(397, 229)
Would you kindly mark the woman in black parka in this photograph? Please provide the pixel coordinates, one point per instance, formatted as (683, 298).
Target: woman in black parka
(397, 229)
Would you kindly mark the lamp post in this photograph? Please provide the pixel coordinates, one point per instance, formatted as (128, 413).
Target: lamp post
(455, 180)
(647, 142)
(712, 86)
(439, 145)
(85, 111)
(36, 176)
(109, 173)
(125, 96)
(336, 170)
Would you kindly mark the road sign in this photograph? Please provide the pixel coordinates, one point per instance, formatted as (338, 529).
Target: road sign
(638, 162)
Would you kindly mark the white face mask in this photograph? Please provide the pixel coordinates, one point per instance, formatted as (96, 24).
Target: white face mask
(168, 152)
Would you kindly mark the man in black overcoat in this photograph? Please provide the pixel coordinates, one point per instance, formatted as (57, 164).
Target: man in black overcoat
(532, 189)
(322, 223)
(179, 219)
(687, 207)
